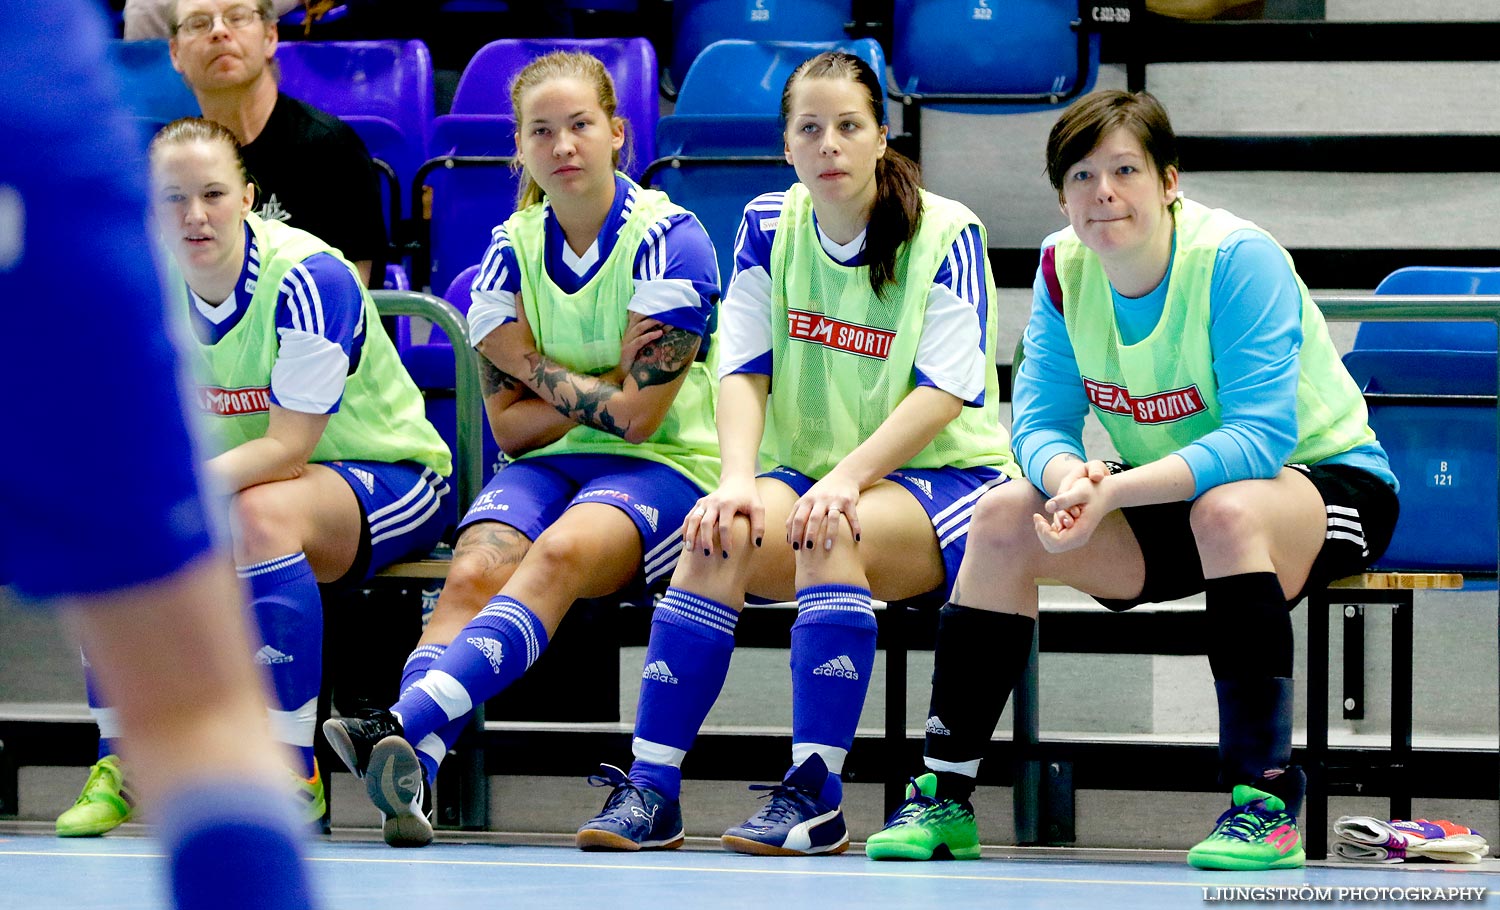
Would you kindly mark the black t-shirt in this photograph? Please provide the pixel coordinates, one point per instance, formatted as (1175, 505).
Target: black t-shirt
(313, 173)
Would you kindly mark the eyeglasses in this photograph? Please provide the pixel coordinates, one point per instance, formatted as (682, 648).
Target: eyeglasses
(202, 23)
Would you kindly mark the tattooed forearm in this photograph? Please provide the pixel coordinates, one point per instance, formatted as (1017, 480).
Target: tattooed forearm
(581, 398)
(664, 359)
(493, 379)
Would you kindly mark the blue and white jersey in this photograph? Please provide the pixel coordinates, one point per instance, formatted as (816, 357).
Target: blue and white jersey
(320, 327)
(676, 274)
(951, 354)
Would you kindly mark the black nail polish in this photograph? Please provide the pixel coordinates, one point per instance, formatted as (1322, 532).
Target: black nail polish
(707, 552)
(757, 541)
(796, 546)
(856, 538)
(809, 545)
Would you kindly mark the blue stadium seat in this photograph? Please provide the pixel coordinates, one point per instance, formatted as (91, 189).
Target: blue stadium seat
(698, 23)
(1431, 393)
(723, 144)
(1010, 57)
(735, 76)
(151, 89)
(473, 188)
(384, 89)
(713, 166)
(484, 86)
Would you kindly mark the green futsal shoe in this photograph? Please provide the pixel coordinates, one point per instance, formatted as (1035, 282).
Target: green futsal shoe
(1254, 834)
(924, 827)
(104, 805)
(311, 797)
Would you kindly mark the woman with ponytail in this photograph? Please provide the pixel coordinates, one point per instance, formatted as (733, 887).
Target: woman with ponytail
(857, 355)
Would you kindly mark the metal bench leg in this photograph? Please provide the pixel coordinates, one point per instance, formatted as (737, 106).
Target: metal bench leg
(463, 792)
(10, 783)
(1401, 706)
(1026, 796)
(896, 771)
(1315, 807)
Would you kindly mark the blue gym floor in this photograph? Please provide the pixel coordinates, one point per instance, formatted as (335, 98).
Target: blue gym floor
(121, 872)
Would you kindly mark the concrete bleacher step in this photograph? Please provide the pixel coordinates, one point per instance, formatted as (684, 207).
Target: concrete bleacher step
(1408, 11)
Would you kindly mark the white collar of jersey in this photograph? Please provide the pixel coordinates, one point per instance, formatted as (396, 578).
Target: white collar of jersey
(243, 289)
(580, 264)
(842, 252)
(216, 312)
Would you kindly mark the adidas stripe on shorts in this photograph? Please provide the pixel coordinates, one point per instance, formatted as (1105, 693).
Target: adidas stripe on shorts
(531, 494)
(1361, 512)
(402, 504)
(947, 495)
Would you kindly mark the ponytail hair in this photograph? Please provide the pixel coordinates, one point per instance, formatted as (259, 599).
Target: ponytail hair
(897, 212)
(895, 217)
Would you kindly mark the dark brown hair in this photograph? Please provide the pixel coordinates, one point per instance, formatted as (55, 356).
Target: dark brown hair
(579, 65)
(1085, 124)
(897, 212)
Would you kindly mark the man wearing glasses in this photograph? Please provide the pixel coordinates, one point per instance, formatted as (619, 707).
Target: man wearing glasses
(310, 168)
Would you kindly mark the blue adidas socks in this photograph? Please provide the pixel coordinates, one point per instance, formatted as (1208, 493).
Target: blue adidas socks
(490, 653)
(833, 655)
(687, 659)
(434, 746)
(233, 846)
(289, 614)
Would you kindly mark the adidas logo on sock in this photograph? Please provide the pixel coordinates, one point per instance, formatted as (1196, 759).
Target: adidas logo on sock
(650, 514)
(364, 477)
(659, 671)
(841, 667)
(491, 650)
(268, 655)
(936, 728)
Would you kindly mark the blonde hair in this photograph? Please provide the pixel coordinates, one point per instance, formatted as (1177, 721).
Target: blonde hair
(197, 129)
(579, 65)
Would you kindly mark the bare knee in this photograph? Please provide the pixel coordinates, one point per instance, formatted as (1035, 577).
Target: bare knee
(700, 571)
(265, 522)
(1002, 519)
(1226, 522)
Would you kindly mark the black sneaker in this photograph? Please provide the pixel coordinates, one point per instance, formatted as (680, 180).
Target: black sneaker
(633, 818)
(397, 785)
(354, 736)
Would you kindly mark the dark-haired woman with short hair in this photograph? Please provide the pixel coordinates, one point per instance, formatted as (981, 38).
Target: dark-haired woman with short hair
(1248, 469)
(858, 358)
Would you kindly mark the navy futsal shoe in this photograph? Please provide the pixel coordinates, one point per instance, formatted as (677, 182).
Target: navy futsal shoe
(397, 785)
(354, 736)
(794, 821)
(633, 818)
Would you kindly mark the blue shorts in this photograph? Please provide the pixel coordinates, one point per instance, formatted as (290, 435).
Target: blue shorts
(97, 439)
(946, 494)
(402, 504)
(531, 494)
